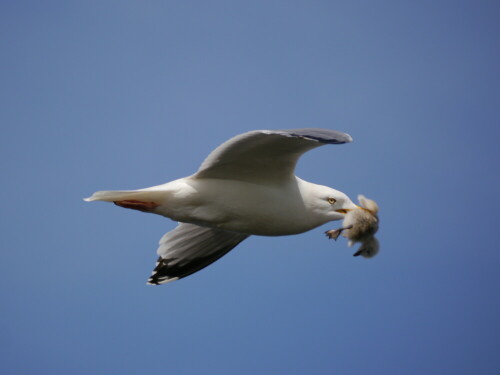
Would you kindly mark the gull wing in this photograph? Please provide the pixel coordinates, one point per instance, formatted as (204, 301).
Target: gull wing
(189, 248)
(265, 155)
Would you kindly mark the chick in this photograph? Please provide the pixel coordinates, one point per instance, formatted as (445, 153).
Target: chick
(360, 225)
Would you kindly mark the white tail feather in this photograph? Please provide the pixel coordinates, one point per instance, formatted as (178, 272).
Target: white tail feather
(120, 195)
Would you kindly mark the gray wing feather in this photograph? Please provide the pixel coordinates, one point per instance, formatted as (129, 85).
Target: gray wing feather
(189, 248)
(265, 155)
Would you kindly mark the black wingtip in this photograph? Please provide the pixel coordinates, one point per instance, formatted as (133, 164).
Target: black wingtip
(319, 135)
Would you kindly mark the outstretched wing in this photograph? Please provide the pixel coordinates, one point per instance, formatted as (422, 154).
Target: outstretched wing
(265, 155)
(189, 248)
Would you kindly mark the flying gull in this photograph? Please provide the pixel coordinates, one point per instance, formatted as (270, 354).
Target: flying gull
(246, 186)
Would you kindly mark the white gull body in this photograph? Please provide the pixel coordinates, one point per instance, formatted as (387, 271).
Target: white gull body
(246, 186)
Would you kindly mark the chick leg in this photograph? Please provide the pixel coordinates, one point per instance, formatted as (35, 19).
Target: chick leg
(335, 233)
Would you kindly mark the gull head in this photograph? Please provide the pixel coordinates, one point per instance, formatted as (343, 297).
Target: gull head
(331, 203)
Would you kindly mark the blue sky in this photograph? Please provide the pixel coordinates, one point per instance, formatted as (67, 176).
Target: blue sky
(128, 94)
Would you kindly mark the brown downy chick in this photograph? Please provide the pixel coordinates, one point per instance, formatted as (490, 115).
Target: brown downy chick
(360, 225)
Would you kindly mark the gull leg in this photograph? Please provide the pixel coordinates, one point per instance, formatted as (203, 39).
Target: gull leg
(137, 205)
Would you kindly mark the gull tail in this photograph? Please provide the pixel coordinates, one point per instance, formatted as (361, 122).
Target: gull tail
(124, 195)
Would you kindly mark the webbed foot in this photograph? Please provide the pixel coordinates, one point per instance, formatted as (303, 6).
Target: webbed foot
(137, 205)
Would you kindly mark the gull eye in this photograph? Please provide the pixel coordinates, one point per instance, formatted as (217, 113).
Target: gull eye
(331, 200)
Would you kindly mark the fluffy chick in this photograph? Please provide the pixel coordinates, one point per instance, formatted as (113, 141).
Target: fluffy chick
(360, 225)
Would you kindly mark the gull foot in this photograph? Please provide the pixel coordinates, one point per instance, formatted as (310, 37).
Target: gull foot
(137, 205)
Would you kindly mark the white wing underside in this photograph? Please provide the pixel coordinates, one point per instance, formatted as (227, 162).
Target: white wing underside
(189, 248)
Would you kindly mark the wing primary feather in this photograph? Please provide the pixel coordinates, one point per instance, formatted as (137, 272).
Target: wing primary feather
(315, 134)
(188, 249)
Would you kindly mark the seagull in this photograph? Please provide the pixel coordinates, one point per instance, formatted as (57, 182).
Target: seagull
(246, 186)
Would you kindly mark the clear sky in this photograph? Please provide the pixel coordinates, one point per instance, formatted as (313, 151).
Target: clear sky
(128, 94)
